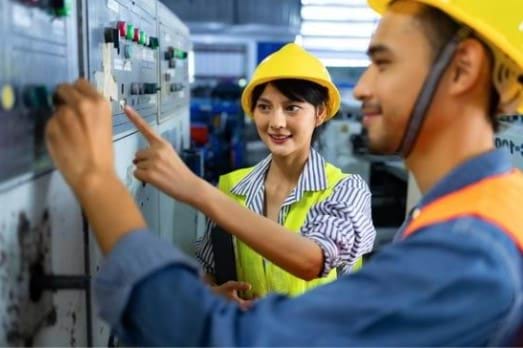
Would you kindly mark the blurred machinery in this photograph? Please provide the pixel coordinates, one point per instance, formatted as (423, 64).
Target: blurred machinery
(217, 128)
(134, 52)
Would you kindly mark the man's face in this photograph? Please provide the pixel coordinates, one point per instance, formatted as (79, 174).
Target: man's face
(400, 59)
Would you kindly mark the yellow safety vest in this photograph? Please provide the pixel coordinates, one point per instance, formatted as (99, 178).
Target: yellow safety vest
(251, 267)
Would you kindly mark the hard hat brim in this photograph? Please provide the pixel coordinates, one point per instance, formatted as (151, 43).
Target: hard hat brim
(333, 103)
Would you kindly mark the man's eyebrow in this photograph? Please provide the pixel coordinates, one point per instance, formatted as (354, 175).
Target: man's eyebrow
(375, 49)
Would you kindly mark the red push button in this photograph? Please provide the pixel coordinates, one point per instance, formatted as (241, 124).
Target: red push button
(122, 28)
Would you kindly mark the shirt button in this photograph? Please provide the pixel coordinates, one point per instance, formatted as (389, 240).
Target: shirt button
(415, 213)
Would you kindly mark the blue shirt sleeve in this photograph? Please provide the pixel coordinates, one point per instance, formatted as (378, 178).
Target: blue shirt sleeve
(134, 257)
(440, 287)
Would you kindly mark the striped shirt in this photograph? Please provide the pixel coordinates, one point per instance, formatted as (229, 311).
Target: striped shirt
(340, 225)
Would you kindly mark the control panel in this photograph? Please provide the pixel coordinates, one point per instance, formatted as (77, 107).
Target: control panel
(123, 56)
(39, 50)
(48, 255)
(174, 63)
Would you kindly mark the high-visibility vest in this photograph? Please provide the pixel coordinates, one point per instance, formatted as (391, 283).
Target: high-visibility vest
(496, 199)
(264, 276)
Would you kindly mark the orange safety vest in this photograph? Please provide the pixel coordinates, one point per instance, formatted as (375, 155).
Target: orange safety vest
(496, 199)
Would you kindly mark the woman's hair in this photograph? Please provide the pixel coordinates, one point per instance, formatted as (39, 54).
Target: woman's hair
(295, 90)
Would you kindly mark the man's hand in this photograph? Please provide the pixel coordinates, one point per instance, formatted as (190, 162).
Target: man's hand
(230, 290)
(79, 139)
(160, 165)
(79, 135)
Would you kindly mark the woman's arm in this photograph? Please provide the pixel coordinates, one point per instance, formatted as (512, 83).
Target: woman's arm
(162, 167)
(342, 224)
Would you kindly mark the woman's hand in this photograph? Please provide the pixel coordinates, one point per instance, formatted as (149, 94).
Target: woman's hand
(160, 165)
(230, 290)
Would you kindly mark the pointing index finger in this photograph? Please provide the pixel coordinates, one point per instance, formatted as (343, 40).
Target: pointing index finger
(142, 125)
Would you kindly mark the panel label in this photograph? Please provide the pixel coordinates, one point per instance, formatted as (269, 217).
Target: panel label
(113, 5)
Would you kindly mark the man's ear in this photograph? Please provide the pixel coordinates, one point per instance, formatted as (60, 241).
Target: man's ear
(470, 61)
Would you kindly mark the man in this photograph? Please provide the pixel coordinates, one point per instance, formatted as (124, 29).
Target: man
(454, 277)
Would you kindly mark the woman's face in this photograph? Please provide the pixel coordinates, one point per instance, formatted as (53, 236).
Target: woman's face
(285, 126)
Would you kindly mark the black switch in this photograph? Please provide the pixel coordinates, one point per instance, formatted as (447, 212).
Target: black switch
(111, 35)
(169, 54)
(42, 95)
(150, 88)
(36, 97)
(153, 42)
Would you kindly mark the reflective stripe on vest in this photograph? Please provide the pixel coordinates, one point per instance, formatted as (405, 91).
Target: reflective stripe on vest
(496, 199)
(264, 276)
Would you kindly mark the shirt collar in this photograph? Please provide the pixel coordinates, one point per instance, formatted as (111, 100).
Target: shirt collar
(491, 163)
(312, 178)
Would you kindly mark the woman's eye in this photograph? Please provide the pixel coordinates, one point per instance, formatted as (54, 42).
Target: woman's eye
(263, 107)
(293, 108)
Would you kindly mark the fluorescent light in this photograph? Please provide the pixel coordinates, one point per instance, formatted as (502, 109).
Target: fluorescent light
(342, 62)
(335, 2)
(365, 29)
(338, 13)
(336, 44)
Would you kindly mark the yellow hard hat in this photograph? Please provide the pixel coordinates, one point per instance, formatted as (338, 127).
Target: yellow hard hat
(292, 62)
(500, 25)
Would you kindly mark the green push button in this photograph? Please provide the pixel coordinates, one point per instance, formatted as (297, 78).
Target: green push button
(62, 8)
(36, 97)
(130, 32)
(153, 42)
(180, 54)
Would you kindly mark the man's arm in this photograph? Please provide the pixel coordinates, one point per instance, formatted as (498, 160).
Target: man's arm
(427, 290)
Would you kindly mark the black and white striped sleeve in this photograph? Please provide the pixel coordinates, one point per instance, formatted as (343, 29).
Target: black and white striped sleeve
(204, 251)
(342, 224)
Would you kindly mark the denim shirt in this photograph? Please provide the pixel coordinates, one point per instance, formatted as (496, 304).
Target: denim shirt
(450, 284)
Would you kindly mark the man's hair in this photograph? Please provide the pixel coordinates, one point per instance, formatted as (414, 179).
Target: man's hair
(440, 28)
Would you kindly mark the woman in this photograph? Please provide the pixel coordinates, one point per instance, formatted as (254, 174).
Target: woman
(305, 219)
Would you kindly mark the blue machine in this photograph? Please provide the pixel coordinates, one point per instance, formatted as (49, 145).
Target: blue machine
(217, 128)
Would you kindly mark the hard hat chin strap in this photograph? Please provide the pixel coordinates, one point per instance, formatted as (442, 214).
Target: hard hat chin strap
(424, 100)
